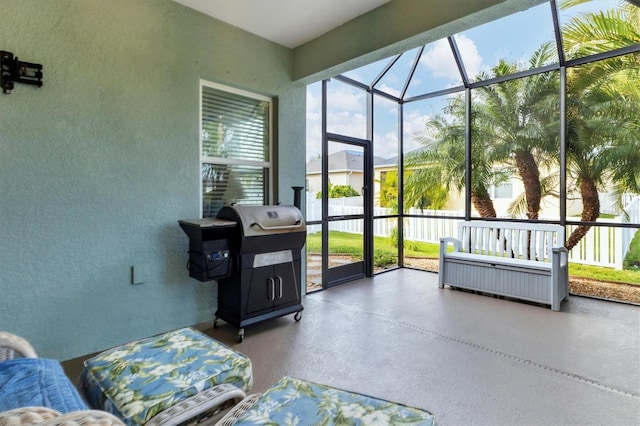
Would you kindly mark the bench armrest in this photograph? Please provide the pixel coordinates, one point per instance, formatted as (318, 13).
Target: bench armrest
(562, 253)
(445, 241)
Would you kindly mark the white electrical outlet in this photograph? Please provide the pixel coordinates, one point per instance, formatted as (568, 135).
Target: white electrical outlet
(137, 275)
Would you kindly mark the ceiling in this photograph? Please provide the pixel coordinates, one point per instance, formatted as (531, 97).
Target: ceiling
(286, 22)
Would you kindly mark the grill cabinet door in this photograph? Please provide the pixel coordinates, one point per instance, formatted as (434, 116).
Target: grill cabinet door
(270, 288)
(287, 287)
(259, 285)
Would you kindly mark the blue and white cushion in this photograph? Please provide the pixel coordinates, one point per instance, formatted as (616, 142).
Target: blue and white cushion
(140, 379)
(297, 402)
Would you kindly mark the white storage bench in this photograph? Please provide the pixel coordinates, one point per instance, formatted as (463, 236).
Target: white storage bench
(526, 261)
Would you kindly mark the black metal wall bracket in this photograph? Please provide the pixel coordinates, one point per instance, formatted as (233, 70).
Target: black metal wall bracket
(14, 71)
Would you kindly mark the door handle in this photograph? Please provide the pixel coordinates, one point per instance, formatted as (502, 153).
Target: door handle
(272, 294)
(279, 278)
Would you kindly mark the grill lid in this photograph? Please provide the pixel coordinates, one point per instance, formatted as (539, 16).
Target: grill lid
(265, 220)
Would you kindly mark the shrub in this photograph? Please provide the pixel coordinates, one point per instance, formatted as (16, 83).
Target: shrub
(382, 259)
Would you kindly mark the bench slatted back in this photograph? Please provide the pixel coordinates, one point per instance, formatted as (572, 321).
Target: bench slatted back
(519, 240)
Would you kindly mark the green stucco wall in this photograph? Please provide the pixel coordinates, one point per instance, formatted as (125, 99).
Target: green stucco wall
(98, 165)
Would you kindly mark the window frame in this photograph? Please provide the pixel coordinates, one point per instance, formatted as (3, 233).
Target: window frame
(495, 190)
(202, 160)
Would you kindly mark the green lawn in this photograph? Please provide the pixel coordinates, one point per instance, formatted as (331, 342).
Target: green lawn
(605, 274)
(351, 244)
(632, 259)
(346, 243)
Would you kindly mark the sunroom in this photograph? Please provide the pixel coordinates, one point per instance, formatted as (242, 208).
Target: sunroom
(492, 122)
(101, 162)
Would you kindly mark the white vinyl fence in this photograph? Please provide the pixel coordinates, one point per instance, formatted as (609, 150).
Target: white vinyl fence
(601, 246)
(605, 246)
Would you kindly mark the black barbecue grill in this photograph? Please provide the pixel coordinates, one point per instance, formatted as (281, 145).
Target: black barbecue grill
(266, 228)
(254, 253)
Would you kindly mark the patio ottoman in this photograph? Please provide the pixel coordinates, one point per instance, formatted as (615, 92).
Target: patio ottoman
(143, 382)
(298, 402)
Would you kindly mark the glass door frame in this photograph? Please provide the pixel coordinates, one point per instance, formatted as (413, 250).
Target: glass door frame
(341, 274)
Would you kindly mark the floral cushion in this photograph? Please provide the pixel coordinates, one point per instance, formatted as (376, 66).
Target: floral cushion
(298, 402)
(138, 380)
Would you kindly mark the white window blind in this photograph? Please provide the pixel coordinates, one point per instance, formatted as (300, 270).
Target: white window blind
(504, 190)
(235, 148)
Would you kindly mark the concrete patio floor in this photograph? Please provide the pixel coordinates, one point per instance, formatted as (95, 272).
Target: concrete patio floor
(468, 359)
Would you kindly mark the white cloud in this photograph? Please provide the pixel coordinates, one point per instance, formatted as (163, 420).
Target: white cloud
(390, 90)
(416, 83)
(346, 117)
(414, 127)
(347, 123)
(314, 121)
(314, 101)
(470, 55)
(414, 122)
(438, 59)
(345, 98)
(391, 77)
(385, 146)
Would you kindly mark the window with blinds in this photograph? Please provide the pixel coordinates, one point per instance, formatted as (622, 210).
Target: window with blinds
(235, 140)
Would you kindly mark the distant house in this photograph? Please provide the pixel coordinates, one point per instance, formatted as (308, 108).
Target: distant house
(345, 168)
(381, 168)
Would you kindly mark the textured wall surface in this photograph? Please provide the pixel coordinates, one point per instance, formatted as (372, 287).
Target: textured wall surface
(97, 166)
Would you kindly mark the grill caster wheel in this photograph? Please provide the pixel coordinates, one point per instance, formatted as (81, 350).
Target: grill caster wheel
(216, 323)
(297, 316)
(241, 335)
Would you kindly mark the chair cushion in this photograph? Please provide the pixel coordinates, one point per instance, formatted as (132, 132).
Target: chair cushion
(39, 382)
(138, 380)
(296, 402)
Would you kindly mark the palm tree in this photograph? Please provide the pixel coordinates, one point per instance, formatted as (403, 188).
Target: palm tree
(603, 146)
(518, 115)
(515, 123)
(433, 196)
(442, 159)
(511, 131)
(388, 196)
(548, 188)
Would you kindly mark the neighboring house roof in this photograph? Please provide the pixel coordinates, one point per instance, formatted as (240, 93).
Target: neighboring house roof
(394, 161)
(340, 161)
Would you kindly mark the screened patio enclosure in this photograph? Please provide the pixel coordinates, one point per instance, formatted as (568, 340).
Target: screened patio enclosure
(532, 117)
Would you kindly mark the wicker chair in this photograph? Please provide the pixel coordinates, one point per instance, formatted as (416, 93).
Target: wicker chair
(13, 347)
(43, 416)
(230, 418)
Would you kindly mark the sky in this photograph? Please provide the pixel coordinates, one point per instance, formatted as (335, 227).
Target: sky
(513, 38)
